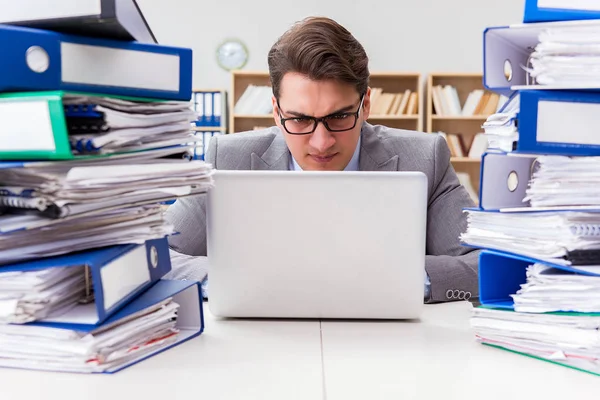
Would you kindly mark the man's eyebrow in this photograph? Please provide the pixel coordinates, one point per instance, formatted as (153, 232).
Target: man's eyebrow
(341, 110)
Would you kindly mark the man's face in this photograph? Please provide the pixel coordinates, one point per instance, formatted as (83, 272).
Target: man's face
(321, 150)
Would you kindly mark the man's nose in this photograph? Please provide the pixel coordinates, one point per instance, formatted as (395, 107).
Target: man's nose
(321, 139)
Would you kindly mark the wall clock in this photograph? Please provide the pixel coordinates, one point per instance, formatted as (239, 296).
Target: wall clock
(232, 54)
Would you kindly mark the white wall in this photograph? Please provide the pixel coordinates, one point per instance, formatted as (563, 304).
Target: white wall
(400, 35)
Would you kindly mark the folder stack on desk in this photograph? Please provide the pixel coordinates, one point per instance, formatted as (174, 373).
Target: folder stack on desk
(538, 220)
(95, 135)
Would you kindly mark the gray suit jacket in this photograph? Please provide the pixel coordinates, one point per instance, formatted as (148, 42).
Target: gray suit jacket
(449, 265)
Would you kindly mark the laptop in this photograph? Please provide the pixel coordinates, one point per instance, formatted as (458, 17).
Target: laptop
(316, 244)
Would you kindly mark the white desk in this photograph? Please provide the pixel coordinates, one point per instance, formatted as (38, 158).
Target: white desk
(287, 360)
(436, 358)
(231, 360)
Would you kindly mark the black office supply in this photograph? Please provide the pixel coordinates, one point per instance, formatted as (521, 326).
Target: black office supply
(110, 19)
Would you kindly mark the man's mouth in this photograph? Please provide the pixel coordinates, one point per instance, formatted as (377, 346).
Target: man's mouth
(322, 158)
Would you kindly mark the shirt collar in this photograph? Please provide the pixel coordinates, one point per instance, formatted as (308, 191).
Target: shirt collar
(352, 165)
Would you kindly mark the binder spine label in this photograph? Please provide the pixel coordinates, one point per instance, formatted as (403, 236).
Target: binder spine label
(124, 275)
(568, 122)
(16, 135)
(95, 65)
(44, 10)
(587, 5)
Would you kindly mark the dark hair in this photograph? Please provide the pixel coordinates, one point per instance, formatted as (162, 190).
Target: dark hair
(321, 49)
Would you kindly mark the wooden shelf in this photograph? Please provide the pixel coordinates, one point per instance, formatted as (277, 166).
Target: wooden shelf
(390, 82)
(380, 117)
(240, 80)
(465, 160)
(393, 117)
(459, 117)
(464, 83)
(209, 129)
(465, 126)
(253, 116)
(398, 83)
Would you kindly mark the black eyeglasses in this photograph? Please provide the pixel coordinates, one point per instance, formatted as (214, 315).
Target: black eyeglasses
(304, 125)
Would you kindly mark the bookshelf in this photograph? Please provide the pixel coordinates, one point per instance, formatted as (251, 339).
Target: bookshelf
(210, 107)
(403, 112)
(396, 112)
(457, 105)
(247, 121)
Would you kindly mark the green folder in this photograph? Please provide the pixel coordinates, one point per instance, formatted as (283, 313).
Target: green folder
(33, 126)
(556, 362)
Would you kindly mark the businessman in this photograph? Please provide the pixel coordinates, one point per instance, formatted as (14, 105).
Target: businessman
(321, 101)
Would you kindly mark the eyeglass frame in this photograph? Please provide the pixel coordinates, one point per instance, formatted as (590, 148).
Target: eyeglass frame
(321, 119)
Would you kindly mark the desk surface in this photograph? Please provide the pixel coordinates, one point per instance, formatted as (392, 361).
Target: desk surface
(436, 358)
(240, 359)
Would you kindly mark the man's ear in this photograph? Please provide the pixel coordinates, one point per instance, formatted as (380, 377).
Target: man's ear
(275, 111)
(367, 104)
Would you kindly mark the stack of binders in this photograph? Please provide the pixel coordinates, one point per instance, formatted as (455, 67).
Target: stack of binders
(538, 220)
(94, 137)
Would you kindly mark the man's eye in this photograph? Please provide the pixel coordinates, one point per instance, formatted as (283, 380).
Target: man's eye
(300, 120)
(339, 116)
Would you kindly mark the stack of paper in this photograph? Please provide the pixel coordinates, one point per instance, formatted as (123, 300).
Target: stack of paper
(83, 235)
(550, 289)
(94, 350)
(567, 338)
(31, 295)
(59, 190)
(501, 128)
(567, 56)
(51, 208)
(24, 237)
(565, 181)
(107, 125)
(561, 237)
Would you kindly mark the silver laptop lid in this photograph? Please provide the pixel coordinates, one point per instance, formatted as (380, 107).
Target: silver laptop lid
(316, 244)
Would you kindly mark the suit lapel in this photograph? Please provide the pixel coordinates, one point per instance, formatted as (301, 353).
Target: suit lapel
(276, 157)
(373, 154)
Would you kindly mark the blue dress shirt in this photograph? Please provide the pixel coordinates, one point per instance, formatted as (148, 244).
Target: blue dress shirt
(353, 166)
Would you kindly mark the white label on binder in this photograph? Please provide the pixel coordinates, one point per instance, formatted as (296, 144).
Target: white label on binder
(105, 66)
(562, 122)
(591, 5)
(217, 104)
(199, 104)
(26, 126)
(124, 275)
(31, 10)
(208, 104)
(188, 316)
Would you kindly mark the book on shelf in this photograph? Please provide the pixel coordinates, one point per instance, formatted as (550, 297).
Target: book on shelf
(393, 104)
(458, 147)
(256, 100)
(478, 146)
(455, 144)
(446, 102)
(465, 181)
